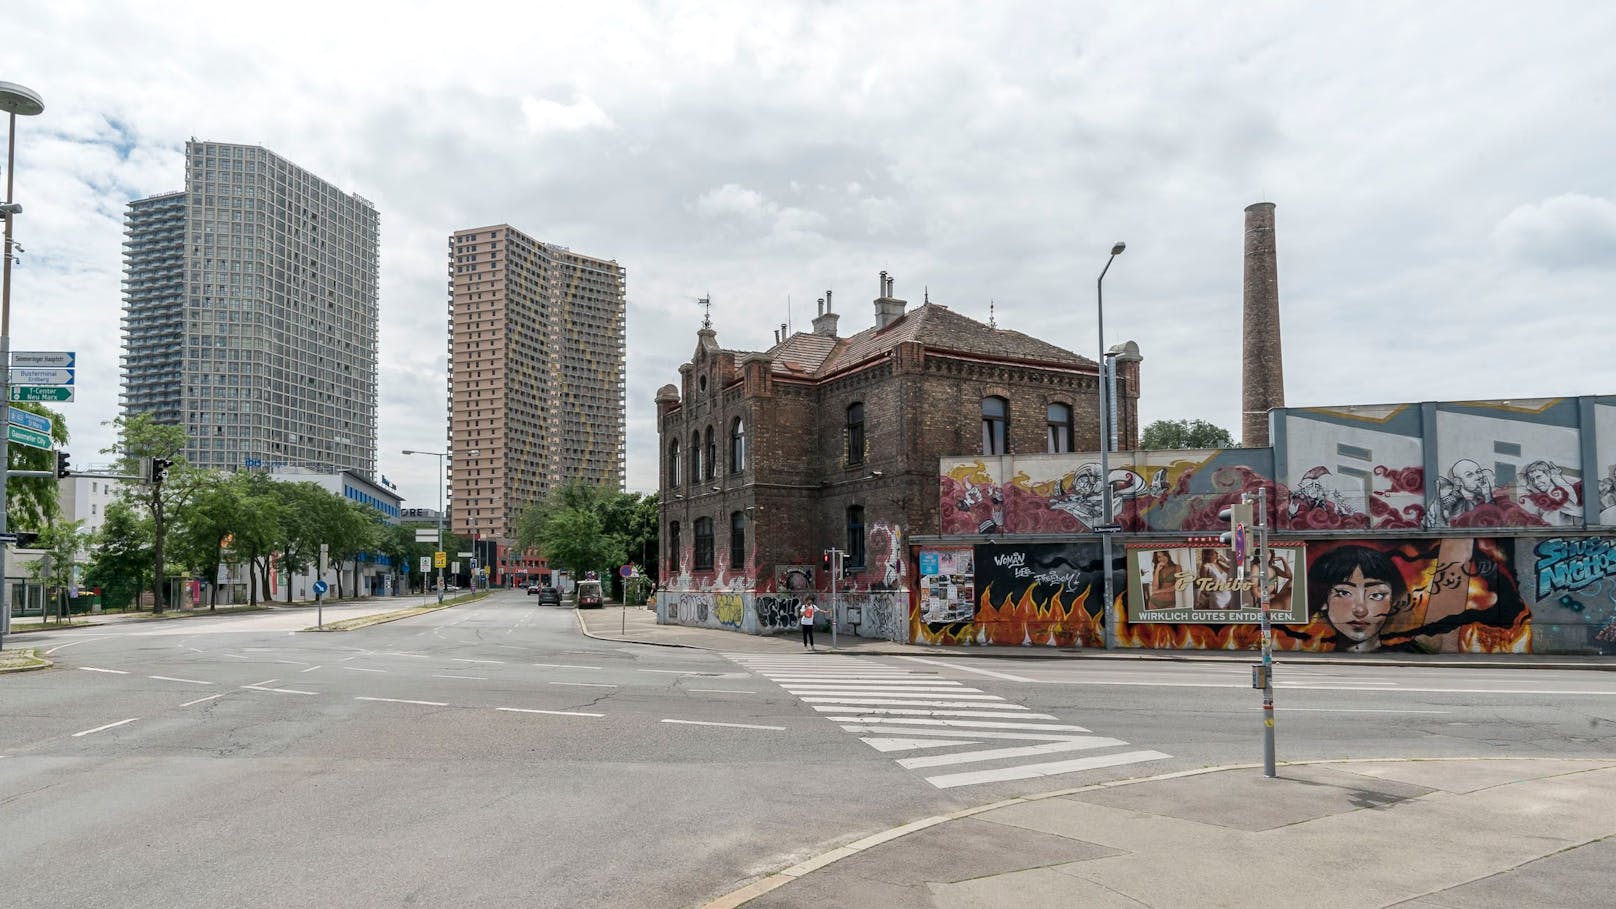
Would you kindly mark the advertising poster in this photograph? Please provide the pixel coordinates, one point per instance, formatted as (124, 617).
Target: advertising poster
(1200, 584)
(947, 586)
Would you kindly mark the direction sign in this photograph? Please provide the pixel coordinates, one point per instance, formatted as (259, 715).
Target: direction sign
(22, 435)
(60, 359)
(1107, 528)
(31, 420)
(321, 587)
(427, 535)
(32, 376)
(54, 393)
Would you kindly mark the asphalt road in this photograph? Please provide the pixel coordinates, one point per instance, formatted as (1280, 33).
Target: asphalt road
(490, 755)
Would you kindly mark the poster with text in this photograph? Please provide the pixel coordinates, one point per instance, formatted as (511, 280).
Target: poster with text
(1200, 584)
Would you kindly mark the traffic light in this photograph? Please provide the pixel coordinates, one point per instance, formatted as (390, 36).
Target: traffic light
(159, 469)
(1239, 517)
(824, 561)
(62, 470)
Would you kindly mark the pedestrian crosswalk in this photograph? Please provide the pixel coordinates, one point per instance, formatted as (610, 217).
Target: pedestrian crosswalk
(905, 712)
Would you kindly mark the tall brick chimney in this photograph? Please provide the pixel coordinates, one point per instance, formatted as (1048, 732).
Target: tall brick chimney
(1262, 365)
(825, 322)
(888, 309)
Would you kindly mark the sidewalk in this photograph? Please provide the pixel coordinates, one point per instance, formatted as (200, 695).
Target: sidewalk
(1430, 834)
(638, 625)
(350, 607)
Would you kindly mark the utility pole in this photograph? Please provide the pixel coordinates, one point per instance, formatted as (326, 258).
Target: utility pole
(1267, 633)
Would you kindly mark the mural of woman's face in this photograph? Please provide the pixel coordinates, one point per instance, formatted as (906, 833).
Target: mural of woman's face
(1358, 606)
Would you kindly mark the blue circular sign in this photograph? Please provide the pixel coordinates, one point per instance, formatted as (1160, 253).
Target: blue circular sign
(321, 587)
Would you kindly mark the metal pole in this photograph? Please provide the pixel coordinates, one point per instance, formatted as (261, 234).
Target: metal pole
(5, 378)
(441, 456)
(1267, 633)
(835, 606)
(1105, 457)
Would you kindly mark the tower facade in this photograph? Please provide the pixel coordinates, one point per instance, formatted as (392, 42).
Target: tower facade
(1262, 364)
(536, 375)
(250, 313)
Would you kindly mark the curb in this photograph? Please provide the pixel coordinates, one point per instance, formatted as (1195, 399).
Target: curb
(584, 629)
(39, 663)
(384, 617)
(741, 896)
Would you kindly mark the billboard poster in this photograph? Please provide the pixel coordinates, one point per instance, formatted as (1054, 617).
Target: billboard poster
(1200, 584)
(947, 586)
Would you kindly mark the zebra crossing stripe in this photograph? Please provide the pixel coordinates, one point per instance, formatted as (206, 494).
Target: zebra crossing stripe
(1053, 768)
(907, 711)
(889, 744)
(997, 754)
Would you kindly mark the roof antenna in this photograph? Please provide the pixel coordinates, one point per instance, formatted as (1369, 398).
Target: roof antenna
(926, 293)
(706, 303)
(992, 322)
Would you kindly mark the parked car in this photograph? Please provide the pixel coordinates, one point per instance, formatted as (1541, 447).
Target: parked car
(589, 595)
(532, 589)
(549, 596)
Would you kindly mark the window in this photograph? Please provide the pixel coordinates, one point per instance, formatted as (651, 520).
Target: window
(673, 549)
(710, 456)
(737, 540)
(1060, 428)
(855, 536)
(855, 434)
(704, 545)
(737, 446)
(695, 457)
(673, 464)
(995, 417)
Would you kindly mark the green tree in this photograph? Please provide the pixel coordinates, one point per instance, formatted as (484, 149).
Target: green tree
(62, 541)
(347, 529)
(141, 437)
(121, 561)
(301, 514)
(1173, 434)
(258, 530)
(397, 543)
(32, 502)
(570, 528)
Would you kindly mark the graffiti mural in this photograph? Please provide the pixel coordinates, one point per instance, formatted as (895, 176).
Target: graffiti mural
(729, 609)
(1350, 468)
(877, 614)
(1508, 464)
(1571, 585)
(1044, 594)
(777, 612)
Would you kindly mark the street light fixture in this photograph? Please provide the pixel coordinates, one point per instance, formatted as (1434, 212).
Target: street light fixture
(14, 100)
(1105, 455)
(439, 455)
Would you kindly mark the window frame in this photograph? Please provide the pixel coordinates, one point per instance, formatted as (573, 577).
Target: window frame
(675, 480)
(702, 557)
(737, 445)
(673, 548)
(855, 434)
(1056, 427)
(710, 455)
(695, 457)
(996, 444)
(856, 532)
(737, 540)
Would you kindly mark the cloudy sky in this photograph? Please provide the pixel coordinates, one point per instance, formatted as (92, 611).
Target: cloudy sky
(1442, 171)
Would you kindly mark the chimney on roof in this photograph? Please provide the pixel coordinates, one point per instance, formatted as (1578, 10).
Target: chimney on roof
(888, 309)
(825, 322)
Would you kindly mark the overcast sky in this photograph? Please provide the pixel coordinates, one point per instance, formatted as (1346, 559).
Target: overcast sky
(1443, 175)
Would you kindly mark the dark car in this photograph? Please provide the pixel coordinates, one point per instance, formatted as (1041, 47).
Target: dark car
(549, 596)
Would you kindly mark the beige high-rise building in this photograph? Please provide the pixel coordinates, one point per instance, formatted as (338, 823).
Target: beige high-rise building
(536, 363)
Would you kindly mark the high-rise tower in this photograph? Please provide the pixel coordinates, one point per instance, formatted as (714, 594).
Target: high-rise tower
(536, 373)
(250, 313)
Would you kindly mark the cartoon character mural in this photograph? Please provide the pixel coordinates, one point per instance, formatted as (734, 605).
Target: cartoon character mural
(1509, 464)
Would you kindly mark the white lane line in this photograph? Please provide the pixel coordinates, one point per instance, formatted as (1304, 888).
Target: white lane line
(110, 671)
(107, 726)
(235, 656)
(475, 678)
(586, 684)
(909, 702)
(358, 669)
(980, 734)
(169, 678)
(900, 711)
(547, 712)
(200, 700)
(563, 666)
(76, 643)
(994, 754)
(292, 662)
(987, 672)
(727, 725)
(311, 669)
(279, 690)
(264, 682)
(970, 693)
(465, 660)
(723, 690)
(959, 724)
(1028, 771)
(871, 679)
(678, 671)
(1347, 710)
(403, 701)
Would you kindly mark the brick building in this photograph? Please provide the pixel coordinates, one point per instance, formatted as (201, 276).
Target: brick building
(769, 458)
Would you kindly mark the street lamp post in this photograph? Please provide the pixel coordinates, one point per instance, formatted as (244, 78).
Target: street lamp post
(1105, 454)
(440, 456)
(14, 100)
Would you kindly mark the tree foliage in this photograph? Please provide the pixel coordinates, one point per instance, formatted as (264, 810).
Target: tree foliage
(141, 437)
(121, 561)
(580, 528)
(1174, 434)
(32, 502)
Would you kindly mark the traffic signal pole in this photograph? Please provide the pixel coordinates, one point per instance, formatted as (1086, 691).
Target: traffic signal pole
(1267, 633)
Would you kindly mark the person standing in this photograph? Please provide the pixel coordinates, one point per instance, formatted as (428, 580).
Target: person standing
(805, 616)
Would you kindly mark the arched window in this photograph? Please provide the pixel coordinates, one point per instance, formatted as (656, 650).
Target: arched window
(710, 456)
(855, 434)
(855, 536)
(673, 549)
(673, 464)
(737, 446)
(1060, 428)
(995, 425)
(695, 457)
(737, 541)
(704, 545)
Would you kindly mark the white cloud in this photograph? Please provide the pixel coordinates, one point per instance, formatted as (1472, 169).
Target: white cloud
(1567, 231)
(544, 115)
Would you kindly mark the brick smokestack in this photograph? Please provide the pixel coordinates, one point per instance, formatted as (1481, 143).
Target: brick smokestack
(1263, 368)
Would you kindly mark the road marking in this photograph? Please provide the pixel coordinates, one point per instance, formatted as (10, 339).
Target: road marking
(885, 745)
(960, 724)
(76, 643)
(972, 693)
(235, 656)
(994, 754)
(403, 701)
(723, 690)
(465, 660)
(547, 712)
(727, 725)
(987, 672)
(476, 678)
(279, 690)
(912, 702)
(865, 729)
(563, 666)
(169, 678)
(1028, 771)
(200, 700)
(107, 726)
(678, 671)
(311, 668)
(900, 711)
(1346, 710)
(357, 669)
(111, 671)
(264, 682)
(586, 684)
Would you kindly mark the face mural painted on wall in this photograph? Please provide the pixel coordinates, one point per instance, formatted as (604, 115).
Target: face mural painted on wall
(1357, 590)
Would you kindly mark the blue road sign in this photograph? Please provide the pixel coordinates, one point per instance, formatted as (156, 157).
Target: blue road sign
(31, 420)
(320, 587)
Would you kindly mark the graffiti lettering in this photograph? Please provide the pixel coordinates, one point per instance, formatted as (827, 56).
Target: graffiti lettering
(1566, 565)
(777, 610)
(728, 610)
(1010, 559)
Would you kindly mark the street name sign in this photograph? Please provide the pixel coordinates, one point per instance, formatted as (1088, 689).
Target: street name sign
(52, 393)
(426, 536)
(32, 376)
(1107, 528)
(22, 435)
(57, 359)
(31, 420)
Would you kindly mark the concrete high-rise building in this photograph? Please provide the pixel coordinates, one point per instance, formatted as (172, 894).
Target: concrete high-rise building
(250, 313)
(536, 363)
